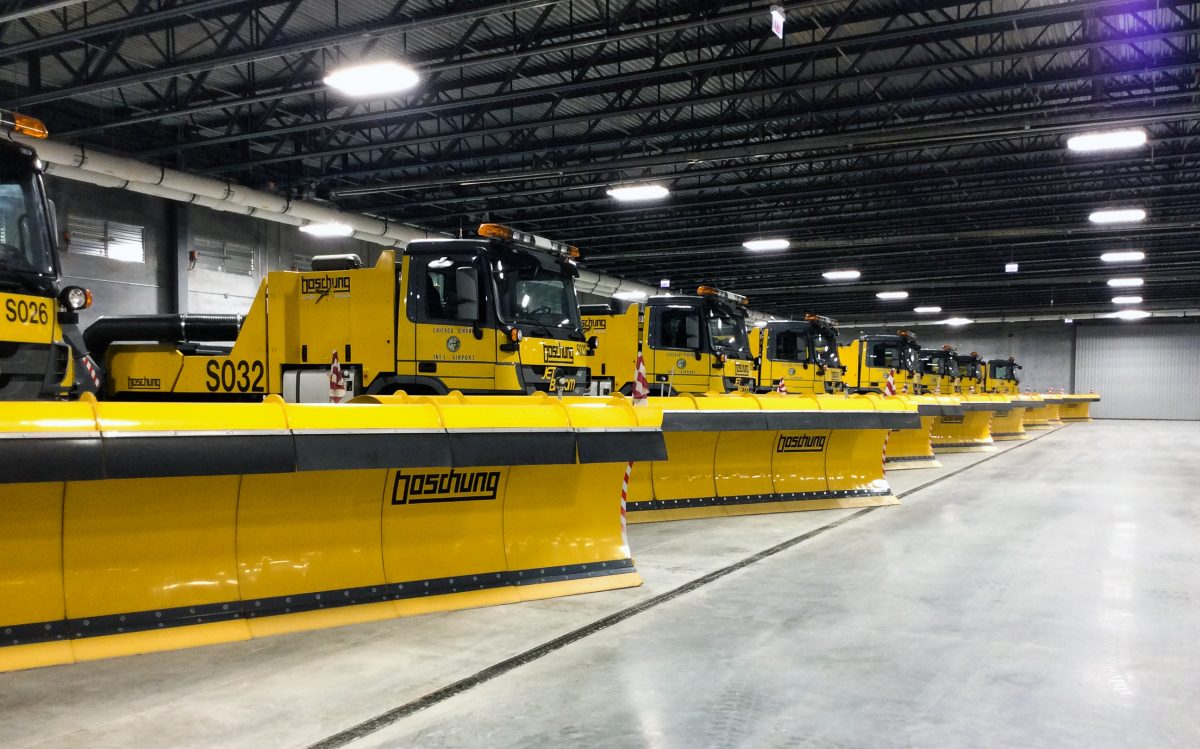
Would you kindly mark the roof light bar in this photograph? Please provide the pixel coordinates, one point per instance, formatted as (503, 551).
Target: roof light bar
(23, 124)
(726, 295)
(821, 319)
(1112, 140)
(525, 239)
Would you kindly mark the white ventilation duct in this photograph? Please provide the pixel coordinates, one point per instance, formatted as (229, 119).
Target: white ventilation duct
(82, 164)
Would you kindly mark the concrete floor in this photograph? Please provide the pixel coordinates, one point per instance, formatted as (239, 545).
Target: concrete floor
(1048, 595)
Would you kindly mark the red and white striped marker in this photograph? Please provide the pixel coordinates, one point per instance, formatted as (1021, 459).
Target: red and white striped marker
(782, 387)
(337, 383)
(889, 384)
(641, 395)
(91, 370)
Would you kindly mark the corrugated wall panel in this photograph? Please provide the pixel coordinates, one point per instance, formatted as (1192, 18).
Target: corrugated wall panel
(1142, 371)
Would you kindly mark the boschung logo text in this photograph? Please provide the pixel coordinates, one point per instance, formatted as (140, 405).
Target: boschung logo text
(451, 486)
(800, 443)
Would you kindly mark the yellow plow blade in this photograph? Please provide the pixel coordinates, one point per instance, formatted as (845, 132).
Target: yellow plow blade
(965, 424)
(1037, 414)
(1077, 407)
(913, 448)
(136, 527)
(1010, 425)
(742, 454)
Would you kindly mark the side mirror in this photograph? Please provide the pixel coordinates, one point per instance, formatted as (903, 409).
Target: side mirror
(593, 343)
(698, 354)
(477, 330)
(758, 362)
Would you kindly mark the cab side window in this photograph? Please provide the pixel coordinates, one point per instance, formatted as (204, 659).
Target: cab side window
(451, 290)
(677, 328)
(883, 355)
(791, 346)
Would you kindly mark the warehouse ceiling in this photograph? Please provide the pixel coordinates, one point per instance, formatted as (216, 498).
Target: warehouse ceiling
(920, 143)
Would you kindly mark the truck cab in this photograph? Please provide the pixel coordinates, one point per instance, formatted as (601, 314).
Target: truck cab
(691, 344)
(972, 373)
(36, 359)
(869, 358)
(801, 353)
(939, 371)
(1002, 377)
(495, 314)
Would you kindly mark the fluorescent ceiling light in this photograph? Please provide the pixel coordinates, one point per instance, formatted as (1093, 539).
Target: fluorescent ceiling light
(1127, 300)
(373, 79)
(892, 295)
(1124, 282)
(1068, 320)
(1131, 314)
(632, 193)
(1123, 257)
(1011, 267)
(841, 275)
(1113, 140)
(1117, 216)
(630, 296)
(958, 321)
(926, 310)
(766, 244)
(328, 230)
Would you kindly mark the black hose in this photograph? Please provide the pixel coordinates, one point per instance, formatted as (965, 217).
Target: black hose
(161, 328)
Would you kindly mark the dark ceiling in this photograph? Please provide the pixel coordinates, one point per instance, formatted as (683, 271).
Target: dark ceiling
(922, 143)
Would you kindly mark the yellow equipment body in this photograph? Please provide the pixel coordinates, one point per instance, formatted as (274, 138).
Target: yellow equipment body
(1077, 407)
(134, 527)
(802, 354)
(472, 315)
(41, 363)
(691, 344)
(742, 454)
(1037, 415)
(868, 360)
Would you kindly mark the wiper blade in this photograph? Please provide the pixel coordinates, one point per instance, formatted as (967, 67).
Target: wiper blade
(539, 323)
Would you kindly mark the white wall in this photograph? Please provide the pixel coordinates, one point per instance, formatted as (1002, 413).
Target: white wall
(1142, 370)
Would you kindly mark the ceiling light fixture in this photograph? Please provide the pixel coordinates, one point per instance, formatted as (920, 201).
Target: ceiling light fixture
(630, 296)
(1068, 320)
(841, 275)
(1127, 300)
(636, 193)
(1121, 283)
(956, 321)
(926, 310)
(759, 245)
(1129, 256)
(326, 231)
(1117, 216)
(892, 295)
(373, 79)
(1011, 267)
(1131, 314)
(1113, 140)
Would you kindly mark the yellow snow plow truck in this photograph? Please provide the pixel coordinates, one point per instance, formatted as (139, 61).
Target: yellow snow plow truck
(800, 354)
(495, 314)
(37, 361)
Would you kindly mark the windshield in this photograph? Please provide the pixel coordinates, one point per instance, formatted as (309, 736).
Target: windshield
(727, 329)
(536, 295)
(1003, 371)
(826, 349)
(24, 241)
(888, 355)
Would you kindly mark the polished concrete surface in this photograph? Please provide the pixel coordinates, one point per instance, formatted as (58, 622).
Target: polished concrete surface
(1046, 595)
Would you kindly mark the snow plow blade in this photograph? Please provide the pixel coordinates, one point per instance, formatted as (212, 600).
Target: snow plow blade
(969, 430)
(1077, 407)
(743, 454)
(913, 448)
(138, 527)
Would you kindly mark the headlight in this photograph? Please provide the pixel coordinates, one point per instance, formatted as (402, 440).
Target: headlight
(75, 298)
